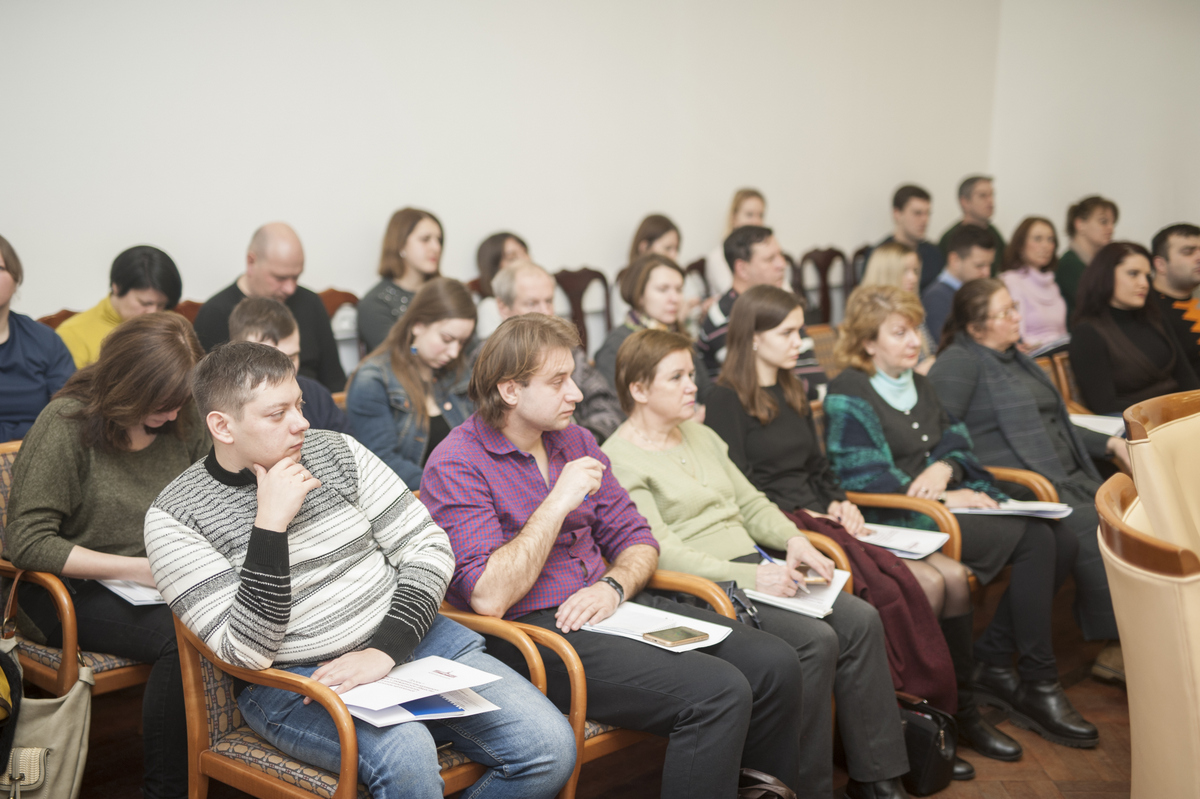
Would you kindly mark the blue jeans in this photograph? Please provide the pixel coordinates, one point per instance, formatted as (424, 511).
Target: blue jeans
(527, 745)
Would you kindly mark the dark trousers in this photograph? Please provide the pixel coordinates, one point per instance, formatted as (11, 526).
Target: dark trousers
(145, 633)
(843, 656)
(734, 704)
(1041, 561)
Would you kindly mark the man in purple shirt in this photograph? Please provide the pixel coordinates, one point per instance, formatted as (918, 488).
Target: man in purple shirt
(533, 512)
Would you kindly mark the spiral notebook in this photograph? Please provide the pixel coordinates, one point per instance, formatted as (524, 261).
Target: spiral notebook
(452, 704)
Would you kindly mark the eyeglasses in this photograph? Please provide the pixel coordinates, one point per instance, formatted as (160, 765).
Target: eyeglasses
(1011, 312)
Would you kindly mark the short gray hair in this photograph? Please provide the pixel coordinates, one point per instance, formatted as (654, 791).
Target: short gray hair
(504, 283)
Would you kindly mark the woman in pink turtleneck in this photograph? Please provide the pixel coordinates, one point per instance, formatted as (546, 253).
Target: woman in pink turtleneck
(1029, 264)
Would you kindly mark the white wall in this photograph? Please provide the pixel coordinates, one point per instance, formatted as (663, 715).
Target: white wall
(187, 125)
(1098, 96)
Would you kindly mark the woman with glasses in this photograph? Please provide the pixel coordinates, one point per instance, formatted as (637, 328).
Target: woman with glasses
(1016, 418)
(887, 433)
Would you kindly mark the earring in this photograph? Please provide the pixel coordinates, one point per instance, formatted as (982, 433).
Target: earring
(755, 346)
(413, 349)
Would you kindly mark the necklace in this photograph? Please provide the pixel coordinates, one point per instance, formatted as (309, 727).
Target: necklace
(659, 448)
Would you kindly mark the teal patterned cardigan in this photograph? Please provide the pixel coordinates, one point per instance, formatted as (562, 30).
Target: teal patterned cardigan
(862, 458)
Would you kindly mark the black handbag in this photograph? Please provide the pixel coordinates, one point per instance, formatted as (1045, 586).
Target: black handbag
(930, 736)
(747, 612)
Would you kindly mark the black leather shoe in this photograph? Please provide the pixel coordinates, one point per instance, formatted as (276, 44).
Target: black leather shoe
(962, 770)
(1042, 706)
(995, 685)
(978, 733)
(883, 789)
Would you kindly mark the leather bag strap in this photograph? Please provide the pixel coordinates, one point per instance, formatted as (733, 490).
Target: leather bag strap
(10, 608)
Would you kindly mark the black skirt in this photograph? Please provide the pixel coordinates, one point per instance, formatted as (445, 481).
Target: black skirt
(988, 542)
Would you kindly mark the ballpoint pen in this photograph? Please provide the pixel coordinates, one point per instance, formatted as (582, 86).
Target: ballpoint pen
(768, 559)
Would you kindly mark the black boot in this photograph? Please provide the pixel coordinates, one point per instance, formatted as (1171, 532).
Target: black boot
(962, 770)
(995, 685)
(883, 789)
(973, 729)
(1042, 706)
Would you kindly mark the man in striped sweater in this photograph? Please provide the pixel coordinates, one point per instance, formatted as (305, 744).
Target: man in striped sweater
(305, 552)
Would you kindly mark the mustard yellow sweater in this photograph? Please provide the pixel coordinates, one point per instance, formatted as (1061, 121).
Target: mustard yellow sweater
(83, 332)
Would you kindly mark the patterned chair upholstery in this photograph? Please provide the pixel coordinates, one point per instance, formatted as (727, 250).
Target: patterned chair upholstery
(43, 665)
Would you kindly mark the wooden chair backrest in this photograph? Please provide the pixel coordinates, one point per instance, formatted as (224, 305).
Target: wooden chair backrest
(824, 337)
(858, 264)
(1113, 502)
(188, 309)
(1066, 383)
(333, 299)
(8, 454)
(55, 319)
(824, 263)
(574, 283)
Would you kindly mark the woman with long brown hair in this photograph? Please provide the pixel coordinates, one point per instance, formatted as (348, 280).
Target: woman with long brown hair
(109, 442)
(412, 255)
(406, 395)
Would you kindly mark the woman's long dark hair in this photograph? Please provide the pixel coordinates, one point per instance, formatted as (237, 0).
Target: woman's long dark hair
(488, 258)
(144, 368)
(1099, 278)
(758, 309)
(440, 298)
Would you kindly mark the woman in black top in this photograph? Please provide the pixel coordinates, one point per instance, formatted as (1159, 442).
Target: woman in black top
(887, 432)
(1120, 351)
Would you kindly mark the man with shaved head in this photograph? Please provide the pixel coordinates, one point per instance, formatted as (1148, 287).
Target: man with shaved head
(274, 261)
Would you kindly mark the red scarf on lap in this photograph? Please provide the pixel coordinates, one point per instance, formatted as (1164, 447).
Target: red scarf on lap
(917, 654)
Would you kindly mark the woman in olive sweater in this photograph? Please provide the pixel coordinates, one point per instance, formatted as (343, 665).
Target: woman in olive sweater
(707, 518)
(87, 472)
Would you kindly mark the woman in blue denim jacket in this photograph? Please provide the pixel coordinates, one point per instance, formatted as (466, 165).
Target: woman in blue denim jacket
(405, 397)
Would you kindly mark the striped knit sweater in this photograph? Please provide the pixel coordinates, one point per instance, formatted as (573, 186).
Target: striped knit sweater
(361, 565)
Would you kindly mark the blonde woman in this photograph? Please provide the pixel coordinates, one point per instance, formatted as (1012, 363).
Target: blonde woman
(749, 207)
(896, 264)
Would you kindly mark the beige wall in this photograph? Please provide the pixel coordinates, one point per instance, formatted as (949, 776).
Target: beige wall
(185, 126)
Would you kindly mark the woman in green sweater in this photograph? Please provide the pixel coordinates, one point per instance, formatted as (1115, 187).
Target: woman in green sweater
(707, 518)
(117, 433)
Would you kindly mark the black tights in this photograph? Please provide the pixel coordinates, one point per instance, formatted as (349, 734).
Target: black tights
(1041, 561)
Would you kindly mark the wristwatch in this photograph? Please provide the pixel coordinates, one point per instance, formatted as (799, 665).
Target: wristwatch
(615, 586)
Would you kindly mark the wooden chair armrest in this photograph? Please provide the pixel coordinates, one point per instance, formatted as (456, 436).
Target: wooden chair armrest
(940, 514)
(507, 630)
(1042, 488)
(577, 717)
(833, 550)
(1075, 407)
(663, 580)
(64, 608)
(306, 686)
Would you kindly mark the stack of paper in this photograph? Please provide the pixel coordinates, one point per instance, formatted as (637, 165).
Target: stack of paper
(632, 620)
(134, 593)
(1108, 425)
(1015, 507)
(818, 603)
(423, 690)
(904, 542)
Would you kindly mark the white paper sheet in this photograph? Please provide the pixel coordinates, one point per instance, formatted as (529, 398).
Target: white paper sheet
(420, 678)
(1015, 507)
(818, 603)
(134, 593)
(1108, 425)
(905, 542)
(469, 703)
(632, 620)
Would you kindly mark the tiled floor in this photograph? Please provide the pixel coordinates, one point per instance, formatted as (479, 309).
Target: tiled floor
(1046, 771)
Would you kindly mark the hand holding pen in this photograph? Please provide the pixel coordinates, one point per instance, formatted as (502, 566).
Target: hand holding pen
(791, 578)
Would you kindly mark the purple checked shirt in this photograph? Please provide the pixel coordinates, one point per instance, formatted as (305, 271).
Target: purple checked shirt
(481, 490)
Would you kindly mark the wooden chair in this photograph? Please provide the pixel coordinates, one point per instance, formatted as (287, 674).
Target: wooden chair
(818, 275)
(824, 338)
(475, 287)
(574, 282)
(333, 299)
(51, 669)
(1163, 450)
(858, 265)
(1155, 587)
(222, 746)
(188, 309)
(55, 319)
(339, 399)
(1066, 383)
